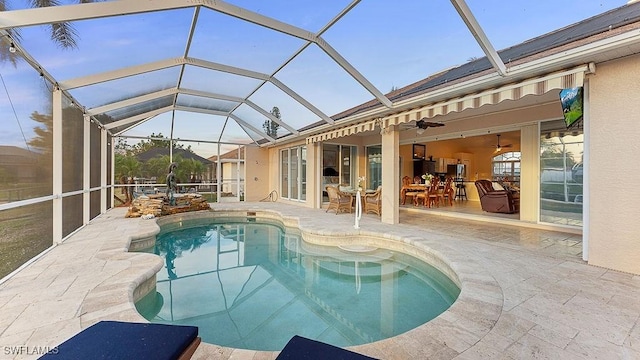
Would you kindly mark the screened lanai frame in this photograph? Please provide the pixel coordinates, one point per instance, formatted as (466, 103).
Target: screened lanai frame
(142, 86)
(162, 86)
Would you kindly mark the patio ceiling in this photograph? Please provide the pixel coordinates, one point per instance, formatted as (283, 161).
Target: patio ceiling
(212, 71)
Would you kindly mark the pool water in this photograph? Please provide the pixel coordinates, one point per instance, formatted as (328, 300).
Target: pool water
(253, 284)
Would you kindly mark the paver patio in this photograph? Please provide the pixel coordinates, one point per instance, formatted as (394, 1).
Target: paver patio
(526, 293)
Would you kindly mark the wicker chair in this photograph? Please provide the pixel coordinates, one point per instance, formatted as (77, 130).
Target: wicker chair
(373, 202)
(338, 200)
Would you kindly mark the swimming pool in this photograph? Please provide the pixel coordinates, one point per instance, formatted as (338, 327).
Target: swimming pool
(253, 284)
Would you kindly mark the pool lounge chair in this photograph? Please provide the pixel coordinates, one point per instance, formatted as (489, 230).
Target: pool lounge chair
(125, 340)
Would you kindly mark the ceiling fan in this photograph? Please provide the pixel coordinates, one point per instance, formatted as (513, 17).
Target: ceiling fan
(423, 125)
(500, 147)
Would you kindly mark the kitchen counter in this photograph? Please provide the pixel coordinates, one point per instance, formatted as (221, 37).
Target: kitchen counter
(472, 192)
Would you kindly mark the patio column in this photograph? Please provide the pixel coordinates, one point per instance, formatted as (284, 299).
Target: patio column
(529, 173)
(390, 171)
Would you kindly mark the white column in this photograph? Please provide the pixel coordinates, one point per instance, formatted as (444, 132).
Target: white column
(103, 171)
(57, 165)
(390, 171)
(86, 173)
(314, 176)
(586, 156)
(530, 173)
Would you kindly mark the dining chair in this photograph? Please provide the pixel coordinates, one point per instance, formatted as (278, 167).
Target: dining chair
(406, 183)
(447, 191)
(430, 195)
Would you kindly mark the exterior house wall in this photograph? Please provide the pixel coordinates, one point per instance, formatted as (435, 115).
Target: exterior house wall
(230, 174)
(613, 146)
(257, 173)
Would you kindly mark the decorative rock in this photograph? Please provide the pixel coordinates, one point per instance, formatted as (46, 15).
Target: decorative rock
(157, 205)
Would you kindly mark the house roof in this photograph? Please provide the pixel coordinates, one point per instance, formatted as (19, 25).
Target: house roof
(601, 26)
(233, 154)
(18, 152)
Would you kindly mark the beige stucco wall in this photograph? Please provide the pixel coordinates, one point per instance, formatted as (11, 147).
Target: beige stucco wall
(256, 176)
(613, 146)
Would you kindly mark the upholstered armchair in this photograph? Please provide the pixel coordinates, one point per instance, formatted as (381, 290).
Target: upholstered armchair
(496, 201)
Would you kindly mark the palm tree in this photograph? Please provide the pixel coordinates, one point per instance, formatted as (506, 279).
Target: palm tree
(63, 34)
(127, 165)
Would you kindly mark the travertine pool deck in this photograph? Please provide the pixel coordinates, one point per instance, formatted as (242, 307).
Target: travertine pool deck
(526, 293)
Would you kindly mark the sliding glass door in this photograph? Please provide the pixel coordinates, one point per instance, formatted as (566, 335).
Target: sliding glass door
(293, 168)
(338, 166)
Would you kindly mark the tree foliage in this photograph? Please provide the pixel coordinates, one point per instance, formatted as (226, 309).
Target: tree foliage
(552, 157)
(157, 167)
(62, 34)
(271, 127)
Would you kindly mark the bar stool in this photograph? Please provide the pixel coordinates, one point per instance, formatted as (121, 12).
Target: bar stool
(461, 190)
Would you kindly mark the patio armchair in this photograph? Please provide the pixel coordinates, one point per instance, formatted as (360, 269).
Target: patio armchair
(338, 200)
(496, 201)
(373, 202)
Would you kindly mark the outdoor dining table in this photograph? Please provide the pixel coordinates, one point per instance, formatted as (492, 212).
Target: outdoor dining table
(354, 193)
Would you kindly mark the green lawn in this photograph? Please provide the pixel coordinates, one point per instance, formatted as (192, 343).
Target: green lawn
(24, 233)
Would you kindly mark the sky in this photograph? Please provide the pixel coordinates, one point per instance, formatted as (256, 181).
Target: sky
(392, 45)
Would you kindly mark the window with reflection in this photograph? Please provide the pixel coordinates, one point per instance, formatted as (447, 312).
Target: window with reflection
(561, 156)
(374, 166)
(338, 166)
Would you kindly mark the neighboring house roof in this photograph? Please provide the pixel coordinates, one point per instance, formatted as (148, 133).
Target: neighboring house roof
(601, 26)
(154, 152)
(17, 154)
(233, 154)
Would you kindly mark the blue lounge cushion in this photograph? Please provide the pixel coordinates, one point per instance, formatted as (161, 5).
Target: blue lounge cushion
(125, 340)
(301, 348)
